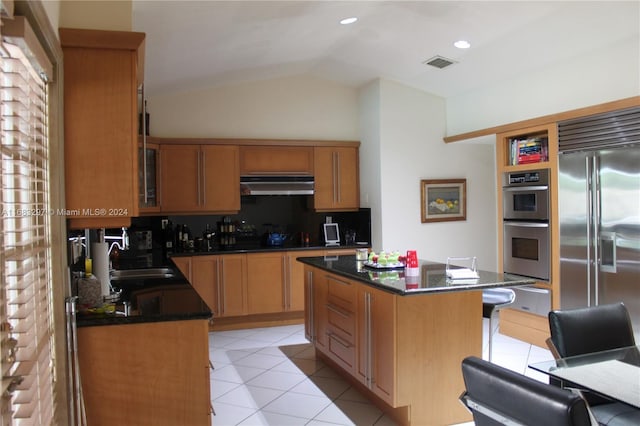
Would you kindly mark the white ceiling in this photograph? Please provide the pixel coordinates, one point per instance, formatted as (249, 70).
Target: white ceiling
(196, 44)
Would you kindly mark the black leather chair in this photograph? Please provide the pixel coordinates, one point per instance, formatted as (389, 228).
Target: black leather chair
(492, 300)
(497, 396)
(594, 329)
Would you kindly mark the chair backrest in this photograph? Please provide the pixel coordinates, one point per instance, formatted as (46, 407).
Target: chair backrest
(593, 329)
(497, 396)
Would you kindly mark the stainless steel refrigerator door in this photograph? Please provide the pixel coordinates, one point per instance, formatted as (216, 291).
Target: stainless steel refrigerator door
(618, 277)
(577, 289)
(599, 210)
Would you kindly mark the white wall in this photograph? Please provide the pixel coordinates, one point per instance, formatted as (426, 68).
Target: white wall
(370, 159)
(96, 14)
(412, 124)
(286, 108)
(601, 76)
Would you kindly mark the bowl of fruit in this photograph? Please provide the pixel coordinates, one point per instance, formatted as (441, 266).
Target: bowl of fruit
(385, 260)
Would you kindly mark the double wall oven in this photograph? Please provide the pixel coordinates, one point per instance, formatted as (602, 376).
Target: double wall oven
(525, 208)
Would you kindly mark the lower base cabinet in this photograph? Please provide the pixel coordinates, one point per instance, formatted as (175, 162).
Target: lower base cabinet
(407, 350)
(265, 278)
(221, 281)
(376, 342)
(146, 374)
(239, 285)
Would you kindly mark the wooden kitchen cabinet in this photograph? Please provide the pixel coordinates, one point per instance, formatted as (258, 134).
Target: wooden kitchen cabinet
(184, 265)
(276, 160)
(295, 278)
(316, 294)
(404, 351)
(148, 162)
(341, 321)
(232, 284)
(149, 373)
(376, 318)
(265, 282)
(199, 178)
(336, 175)
(275, 281)
(516, 323)
(204, 279)
(220, 280)
(102, 73)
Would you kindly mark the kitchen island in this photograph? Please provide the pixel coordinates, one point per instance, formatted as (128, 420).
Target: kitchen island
(150, 366)
(400, 340)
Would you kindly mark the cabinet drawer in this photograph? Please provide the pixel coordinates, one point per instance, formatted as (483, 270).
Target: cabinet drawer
(342, 293)
(341, 351)
(342, 322)
(531, 299)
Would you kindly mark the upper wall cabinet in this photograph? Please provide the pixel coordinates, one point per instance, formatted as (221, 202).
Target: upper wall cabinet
(148, 156)
(336, 178)
(276, 160)
(102, 72)
(199, 178)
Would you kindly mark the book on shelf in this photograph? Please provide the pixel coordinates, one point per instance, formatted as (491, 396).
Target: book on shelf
(528, 150)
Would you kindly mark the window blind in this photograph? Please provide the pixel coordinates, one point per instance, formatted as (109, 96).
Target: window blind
(26, 346)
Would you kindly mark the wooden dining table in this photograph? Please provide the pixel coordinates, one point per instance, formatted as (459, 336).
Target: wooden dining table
(614, 373)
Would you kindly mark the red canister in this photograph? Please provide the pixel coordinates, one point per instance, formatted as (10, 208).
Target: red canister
(411, 267)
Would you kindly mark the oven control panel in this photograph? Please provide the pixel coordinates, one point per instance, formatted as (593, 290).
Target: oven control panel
(532, 177)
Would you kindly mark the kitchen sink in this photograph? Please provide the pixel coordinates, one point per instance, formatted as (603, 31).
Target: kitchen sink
(142, 273)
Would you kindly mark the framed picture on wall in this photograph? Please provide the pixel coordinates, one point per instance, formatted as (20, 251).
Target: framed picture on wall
(443, 200)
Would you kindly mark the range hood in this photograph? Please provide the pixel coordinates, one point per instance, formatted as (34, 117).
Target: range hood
(276, 185)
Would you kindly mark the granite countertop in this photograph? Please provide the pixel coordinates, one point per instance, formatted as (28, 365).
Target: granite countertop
(258, 248)
(151, 300)
(431, 279)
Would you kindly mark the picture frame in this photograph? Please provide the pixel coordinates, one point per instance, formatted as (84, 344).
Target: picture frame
(443, 200)
(331, 234)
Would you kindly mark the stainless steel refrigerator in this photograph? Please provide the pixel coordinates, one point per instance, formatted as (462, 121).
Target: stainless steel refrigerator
(599, 210)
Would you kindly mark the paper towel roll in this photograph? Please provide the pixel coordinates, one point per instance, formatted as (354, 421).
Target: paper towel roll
(100, 255)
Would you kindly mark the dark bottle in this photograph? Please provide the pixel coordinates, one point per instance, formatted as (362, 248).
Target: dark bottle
(207, 235)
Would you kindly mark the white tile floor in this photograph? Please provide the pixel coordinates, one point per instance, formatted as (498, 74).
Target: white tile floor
(270, 376)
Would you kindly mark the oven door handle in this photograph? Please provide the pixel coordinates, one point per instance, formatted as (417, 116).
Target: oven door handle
(526, 224)
(525, 188)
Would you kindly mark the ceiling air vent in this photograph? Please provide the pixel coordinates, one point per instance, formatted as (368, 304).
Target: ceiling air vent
(439, 62)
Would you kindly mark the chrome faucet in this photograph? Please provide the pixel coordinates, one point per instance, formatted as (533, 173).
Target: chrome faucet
(122, 242)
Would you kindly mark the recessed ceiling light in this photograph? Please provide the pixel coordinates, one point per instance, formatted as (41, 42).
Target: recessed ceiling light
(462, 44)
(347, 21)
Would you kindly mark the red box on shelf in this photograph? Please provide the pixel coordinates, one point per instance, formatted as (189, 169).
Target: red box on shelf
(530, 158)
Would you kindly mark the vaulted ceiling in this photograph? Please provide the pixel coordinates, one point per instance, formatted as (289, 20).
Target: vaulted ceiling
(195, 44)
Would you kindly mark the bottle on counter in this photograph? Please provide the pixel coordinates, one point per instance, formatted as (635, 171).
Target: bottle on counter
(207, 237)
(187, 241)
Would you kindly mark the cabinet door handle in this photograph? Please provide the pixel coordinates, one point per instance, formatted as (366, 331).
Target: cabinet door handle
(285, 282)
(338, 178)
(369, 337)
(144, 148)
(199, 177)
(159, 177)
(333, 175)
(310, 310)
(204, 178)
(220, 266)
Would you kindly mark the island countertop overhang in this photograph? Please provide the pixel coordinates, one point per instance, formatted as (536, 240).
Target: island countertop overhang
(431, 279)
